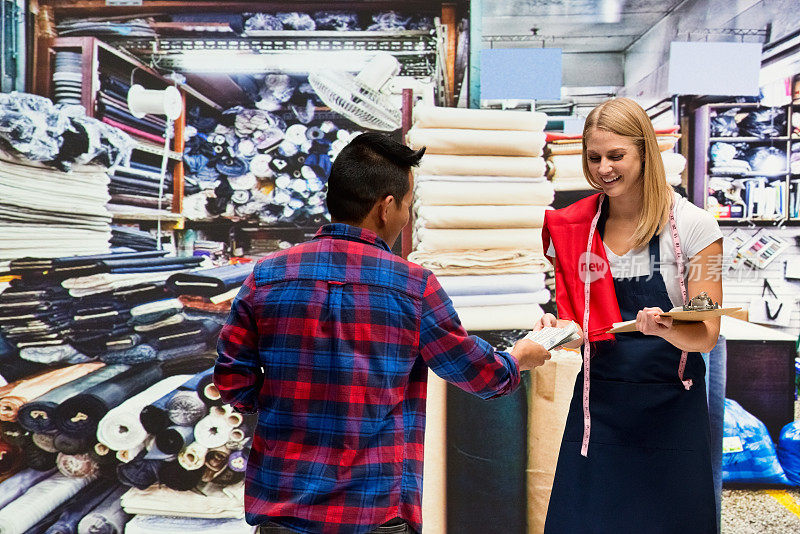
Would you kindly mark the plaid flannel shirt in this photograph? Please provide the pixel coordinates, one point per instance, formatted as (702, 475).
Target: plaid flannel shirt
(330, 342)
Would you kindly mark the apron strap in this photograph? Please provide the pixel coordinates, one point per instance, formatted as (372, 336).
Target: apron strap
(676, 243)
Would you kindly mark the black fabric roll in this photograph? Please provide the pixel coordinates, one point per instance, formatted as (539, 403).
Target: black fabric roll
(139, 473)
(10, 458)
(209, 282)
(39, 414)
(490, 465)
(72, 444)
(228, 477)
(172, 475)
(188, 365)
(174, 438)
(38, 459)
(154, 417)
(12, 370)
(14, 434)
(184, 262)
(81, 413)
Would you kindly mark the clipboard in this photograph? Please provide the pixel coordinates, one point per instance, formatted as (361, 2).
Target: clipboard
(679, 316)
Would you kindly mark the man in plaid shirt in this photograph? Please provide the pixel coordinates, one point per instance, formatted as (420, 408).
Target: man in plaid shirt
(330, 343)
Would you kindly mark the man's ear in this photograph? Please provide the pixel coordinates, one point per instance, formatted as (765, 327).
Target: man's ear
(385, 204)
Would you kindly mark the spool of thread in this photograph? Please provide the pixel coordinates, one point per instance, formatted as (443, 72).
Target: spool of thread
(166, 102)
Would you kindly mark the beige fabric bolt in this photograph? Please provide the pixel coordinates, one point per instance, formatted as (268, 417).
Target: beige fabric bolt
(485, 119)
(508, 317)
(482, 165)
(480, 217)
(476, 142)
(468, 262)
(484, 194)
(428, 239)
(549, 397)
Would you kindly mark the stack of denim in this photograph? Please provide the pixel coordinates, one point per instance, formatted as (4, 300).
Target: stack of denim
(138, 184)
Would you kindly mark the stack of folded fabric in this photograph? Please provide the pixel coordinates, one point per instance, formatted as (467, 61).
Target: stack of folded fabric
(565, 164)
(132, 238)
(138, 184)
(480, 198)
(112, 109)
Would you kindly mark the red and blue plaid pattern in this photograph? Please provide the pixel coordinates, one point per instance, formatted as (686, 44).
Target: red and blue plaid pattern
(330, 341)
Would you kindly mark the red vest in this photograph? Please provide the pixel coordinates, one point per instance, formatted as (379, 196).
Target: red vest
(567, 230)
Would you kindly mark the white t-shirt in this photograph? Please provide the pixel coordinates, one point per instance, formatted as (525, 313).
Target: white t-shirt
(697, 229)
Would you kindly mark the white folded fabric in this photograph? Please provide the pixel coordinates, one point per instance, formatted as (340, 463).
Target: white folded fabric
(480, 216)
(41, 499)
(674, 180)
(674, 163)
(501, 284)
(156, 306)
(572, 184)
(426, 116)
(476, 142)
(509, 317)
(475, 262)
(99, 283)
(419, 177)
(159, 524)
(120, 428)
(470, 301)
(482, 165)
(433, 239)
(484, 194)
(213, 502)
(567, 166)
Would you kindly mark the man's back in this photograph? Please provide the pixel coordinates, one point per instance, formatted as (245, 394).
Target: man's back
(344, 332)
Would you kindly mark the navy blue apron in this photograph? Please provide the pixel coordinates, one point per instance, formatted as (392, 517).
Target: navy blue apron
(648, 468)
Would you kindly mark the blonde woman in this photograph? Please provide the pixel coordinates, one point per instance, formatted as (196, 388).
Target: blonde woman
(635, 455)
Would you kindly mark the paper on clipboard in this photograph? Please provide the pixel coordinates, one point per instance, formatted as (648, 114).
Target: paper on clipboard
(679, 316)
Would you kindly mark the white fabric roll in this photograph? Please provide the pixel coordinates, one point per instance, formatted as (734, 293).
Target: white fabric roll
(426, 116)
(41, 499)
(480, 216)
(486, 165)
(419, 177)
(468, 301)
(674, 163)
(474, 262)
(120, 428)
(509, 317)
(674, 180)
(501, 284)
(212, 431)
(476, 142)
(430, 240)
(484, 194)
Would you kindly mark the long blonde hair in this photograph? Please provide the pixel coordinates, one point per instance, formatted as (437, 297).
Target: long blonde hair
(624, 117)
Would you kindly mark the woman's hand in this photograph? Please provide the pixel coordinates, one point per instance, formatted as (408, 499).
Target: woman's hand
(548, 319)
(650, 322)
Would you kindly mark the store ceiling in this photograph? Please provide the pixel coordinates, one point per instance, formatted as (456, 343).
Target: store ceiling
(576, 26)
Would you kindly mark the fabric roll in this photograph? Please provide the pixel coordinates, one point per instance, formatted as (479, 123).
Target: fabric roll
(492, 284)
(237, 461)
(83, 503)
(190, 350)
(151, 312)
(483, 165)
(193, 457)
(480, 216)
(239, 437)
(186, 408)
(72, 444)
(213, 430)
(476, 142)
(674, 163)
(14, 486)
(11, 458)
(107, 517)
(172, 475)
(174, 438)
(77, 465)
(39, 501)
(154, 453)
(548, 399)
(507, 317)
(139, 473)
(121, 428)
(39, 459)
(32, 388)
(52, 354)
(482, 194)
(172, 320)
(209, 282)
(470, 301)
(127, 455)
(12, 370)
(138, 354)
(46, 442)
(480, 262)
(434, 239)
(14, 434)
(227, 477)
(426, 116)
(81, 413)
(102, 455)
(155, 524)
(38, 415)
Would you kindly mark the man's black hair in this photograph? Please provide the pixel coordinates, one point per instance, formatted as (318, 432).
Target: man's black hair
(370, 168)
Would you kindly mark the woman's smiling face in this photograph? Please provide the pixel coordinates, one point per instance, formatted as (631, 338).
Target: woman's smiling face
(614, 162)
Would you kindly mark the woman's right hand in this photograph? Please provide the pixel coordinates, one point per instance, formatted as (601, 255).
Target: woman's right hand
(548, 319)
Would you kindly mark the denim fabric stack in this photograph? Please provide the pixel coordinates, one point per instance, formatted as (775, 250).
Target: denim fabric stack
(53, 178)
(142, 424)
(480, 199)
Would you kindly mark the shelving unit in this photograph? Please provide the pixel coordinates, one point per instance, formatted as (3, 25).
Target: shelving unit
(778, 183)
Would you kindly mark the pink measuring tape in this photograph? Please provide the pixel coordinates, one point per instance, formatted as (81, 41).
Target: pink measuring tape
(676, 242)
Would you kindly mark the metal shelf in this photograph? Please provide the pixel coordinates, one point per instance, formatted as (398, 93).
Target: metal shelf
(782, 138)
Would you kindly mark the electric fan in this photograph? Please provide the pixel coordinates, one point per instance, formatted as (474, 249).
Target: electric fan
(360, 97)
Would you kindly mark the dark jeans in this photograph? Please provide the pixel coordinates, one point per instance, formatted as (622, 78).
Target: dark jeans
(387, 528)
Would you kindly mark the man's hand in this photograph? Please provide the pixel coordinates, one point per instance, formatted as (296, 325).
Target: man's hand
(529, 354)
(548, 319)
